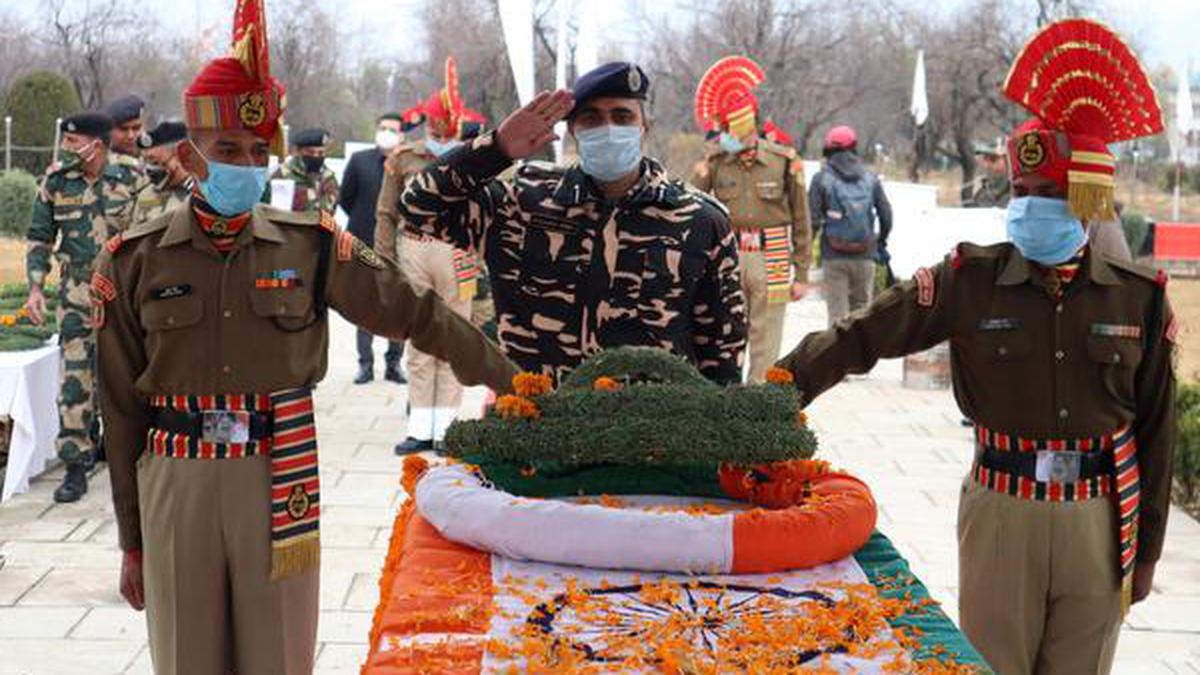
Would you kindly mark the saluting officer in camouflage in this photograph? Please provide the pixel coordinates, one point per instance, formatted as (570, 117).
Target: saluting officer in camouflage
(170, 183)
(315, 187)
(762, 185)
(610, 252)
(128, 116)
(83, 200)
(1062, 357)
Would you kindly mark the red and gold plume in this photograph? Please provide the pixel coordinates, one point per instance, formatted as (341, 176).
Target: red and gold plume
(725, 96)
(1086, 89)
(444, 111)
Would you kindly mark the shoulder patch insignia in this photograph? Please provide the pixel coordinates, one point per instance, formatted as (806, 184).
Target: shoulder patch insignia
(926, 287)
(114, 244)
(327, 221)
(103, 292)
(345, 246)
(367, 255)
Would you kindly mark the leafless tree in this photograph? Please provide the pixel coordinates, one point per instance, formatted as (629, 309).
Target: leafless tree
(85, 41)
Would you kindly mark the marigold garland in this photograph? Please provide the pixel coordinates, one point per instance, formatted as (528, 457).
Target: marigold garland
(777, 375)
(529, 385)
(606, 384)
(511, 406)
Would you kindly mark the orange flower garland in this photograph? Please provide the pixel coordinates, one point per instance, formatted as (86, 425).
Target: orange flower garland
(606, 384)
(14, 318)
(777, 375)
(510, 406)
(529, 385)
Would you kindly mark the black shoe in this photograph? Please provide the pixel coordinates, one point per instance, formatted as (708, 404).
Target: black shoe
(74, 485)
(365, 375)
(412, 445)
(393, 374)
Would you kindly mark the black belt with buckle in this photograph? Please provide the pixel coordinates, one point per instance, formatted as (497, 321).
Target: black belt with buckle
(1024, 464)
(217, 426)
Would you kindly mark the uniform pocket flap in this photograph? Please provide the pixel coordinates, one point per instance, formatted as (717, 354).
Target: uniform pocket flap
(1116, 351)
(288, 302)
(171, 313)
(1006, 344)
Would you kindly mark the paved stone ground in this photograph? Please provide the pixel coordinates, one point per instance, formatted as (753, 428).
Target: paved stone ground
(60, 612)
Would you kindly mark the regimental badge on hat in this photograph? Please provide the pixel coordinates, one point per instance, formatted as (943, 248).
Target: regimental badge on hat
(635, 79)
(1086, 89)
(725, 96)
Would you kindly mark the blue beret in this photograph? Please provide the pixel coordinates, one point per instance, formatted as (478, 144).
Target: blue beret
(165, 132)
(128, 107)
(95, 124)
(310, 138)
(618, 79)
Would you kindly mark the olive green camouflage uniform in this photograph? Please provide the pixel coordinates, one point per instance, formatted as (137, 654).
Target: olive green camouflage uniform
(160, 197)
(312, 193)
(71, 221)
(573, 273)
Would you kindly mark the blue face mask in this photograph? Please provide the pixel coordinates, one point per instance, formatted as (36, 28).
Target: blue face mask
(609, 152)
(731, 144)
(1044, 230)
(231, 189)
(438, 148)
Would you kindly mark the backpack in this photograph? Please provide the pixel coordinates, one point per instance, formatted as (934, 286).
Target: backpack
(849, 215)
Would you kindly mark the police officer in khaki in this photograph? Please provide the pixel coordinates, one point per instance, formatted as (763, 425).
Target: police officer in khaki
(213, 330)
(434, 395)
(762, 185)
(1062, 356)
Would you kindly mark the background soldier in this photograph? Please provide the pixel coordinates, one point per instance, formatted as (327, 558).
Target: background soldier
(433, 394)
(1062, 356)
(213, 328)
(170, 184)
(990, 188)
(71, 223)
(607, 253)
(315, 187)
(127, 113)
(762, 185)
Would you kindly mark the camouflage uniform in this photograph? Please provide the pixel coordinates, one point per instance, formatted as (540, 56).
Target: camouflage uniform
(310, 194)
(159, 197)
(988, 190)
(132, 172)
(71, 221)
(573, 273)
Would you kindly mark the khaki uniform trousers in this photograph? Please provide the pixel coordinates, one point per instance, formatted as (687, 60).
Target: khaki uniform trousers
(210, 605)
(766, 320)
(434, 394)
(1038, 584)
(849, 285)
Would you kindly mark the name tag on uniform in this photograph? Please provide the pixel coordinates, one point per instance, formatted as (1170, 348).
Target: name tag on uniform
(169, 292)
(1057, 466)
(226, 426)
(544, 221)
(1000, 324)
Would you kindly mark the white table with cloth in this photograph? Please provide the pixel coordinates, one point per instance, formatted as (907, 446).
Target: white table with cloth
(28, 397)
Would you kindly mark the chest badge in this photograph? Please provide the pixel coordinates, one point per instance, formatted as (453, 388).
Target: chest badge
(280, 278)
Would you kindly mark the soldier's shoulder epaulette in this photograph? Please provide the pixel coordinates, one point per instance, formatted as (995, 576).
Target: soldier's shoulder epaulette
(156, 224)
(297, 218)
(1135, 270)
(968, 252)
(782, 150)
(537, 169)
(687, 191)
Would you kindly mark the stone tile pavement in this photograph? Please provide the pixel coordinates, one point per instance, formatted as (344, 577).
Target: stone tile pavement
(60, 612)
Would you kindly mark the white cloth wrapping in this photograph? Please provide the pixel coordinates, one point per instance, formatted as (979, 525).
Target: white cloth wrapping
(28, 396)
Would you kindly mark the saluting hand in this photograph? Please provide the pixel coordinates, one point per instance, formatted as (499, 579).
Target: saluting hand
(531, 128)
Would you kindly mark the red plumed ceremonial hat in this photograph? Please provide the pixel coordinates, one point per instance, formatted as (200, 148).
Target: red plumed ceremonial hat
(725, 95)
(444, 110)
(237, 91)
(773, 133)
(1086, 89)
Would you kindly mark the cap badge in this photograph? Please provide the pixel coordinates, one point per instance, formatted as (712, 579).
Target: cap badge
(635, 80)
(253, 109)
(1031, 152)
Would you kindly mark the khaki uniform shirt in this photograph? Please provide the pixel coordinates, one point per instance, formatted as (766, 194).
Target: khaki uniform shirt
(177, 317)
(403, 163)
(573, 272)
(1024, 363)
(766, 191)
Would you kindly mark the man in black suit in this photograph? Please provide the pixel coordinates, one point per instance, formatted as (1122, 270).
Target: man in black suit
(358, 196)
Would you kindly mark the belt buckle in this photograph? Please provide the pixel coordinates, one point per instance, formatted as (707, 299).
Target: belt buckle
(225, 426)
(1058, 466)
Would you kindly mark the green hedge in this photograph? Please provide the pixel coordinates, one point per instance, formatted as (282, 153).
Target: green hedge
(17, 192)
(1187, 445)
(665, 414)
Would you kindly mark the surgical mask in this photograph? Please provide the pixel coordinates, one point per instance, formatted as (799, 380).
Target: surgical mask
(70, 159)
(312, 164)
(438, 148)
(231, 189)
(386, 139)
(1044, 230)
(609, 152)
(731, 144)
